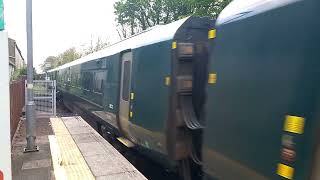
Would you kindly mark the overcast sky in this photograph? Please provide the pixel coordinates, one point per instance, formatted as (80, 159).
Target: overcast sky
(60, 24)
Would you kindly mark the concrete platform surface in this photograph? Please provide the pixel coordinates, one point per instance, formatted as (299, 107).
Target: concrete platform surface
(79, 152)
(36, 165)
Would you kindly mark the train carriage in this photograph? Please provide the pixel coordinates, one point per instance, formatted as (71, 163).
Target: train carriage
(239, 96)
(131, 85)
(262, 112)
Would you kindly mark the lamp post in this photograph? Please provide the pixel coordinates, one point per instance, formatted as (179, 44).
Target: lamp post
(30, 104)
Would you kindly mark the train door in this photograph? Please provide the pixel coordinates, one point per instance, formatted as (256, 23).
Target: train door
(125, 84)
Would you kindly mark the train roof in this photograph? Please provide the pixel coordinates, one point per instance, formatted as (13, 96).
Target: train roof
(240, 9)
(154, 35)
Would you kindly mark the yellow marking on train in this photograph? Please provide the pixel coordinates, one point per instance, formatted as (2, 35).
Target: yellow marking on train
(212, 34)
(125, 142)
(174, 45)
(132, 96)
(131, 114)
(167, 81)
(294, 124)
(212, 78)
(285, 171)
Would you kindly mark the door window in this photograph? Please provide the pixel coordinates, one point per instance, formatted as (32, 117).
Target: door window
(126, 80)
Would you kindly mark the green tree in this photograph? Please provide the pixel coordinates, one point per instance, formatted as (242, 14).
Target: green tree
(49, 63)
(72, 54)
(134, 16)
(19, 72)
(67, 56)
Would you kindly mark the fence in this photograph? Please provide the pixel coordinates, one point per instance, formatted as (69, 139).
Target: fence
(44, 96)
(17, 102)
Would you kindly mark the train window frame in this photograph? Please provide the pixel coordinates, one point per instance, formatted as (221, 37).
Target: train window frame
(99, 79)
(126, 80)
(87, 81)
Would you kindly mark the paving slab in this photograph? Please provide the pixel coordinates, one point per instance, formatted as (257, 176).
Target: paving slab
(36, 165)
(82, 153)
(67, 159)
(102, 159)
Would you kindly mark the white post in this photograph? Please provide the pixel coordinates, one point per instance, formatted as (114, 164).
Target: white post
(5, 143)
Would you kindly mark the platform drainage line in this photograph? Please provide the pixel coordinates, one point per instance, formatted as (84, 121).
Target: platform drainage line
(67, 159)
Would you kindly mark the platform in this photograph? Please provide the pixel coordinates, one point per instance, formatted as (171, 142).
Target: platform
(37, 165)
(69, 149)
(79, 152)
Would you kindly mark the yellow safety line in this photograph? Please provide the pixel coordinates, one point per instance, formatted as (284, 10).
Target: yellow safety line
(72, 163)
(59, 171)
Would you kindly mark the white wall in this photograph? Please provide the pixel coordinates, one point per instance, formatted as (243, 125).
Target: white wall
(5, 143)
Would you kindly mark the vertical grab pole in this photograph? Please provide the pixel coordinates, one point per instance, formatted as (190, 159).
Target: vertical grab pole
(30, 105)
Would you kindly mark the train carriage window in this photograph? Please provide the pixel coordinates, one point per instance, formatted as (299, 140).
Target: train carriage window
(99, 78)
(90, 81)
(78, 79)
(87, 80)
(83, 80)
(126, 80)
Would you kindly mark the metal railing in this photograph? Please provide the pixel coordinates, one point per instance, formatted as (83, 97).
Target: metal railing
(44, 96)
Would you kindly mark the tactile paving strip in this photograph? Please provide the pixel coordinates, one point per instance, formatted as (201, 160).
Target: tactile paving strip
(71, 159)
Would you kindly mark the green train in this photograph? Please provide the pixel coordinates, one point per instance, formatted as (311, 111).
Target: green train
(262, 111)
(130, 86)
(236, 98)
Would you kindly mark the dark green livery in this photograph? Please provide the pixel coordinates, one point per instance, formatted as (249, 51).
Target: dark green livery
(127, 86)
(263, 111)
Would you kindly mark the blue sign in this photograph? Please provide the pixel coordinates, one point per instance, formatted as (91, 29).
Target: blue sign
(1, 16)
